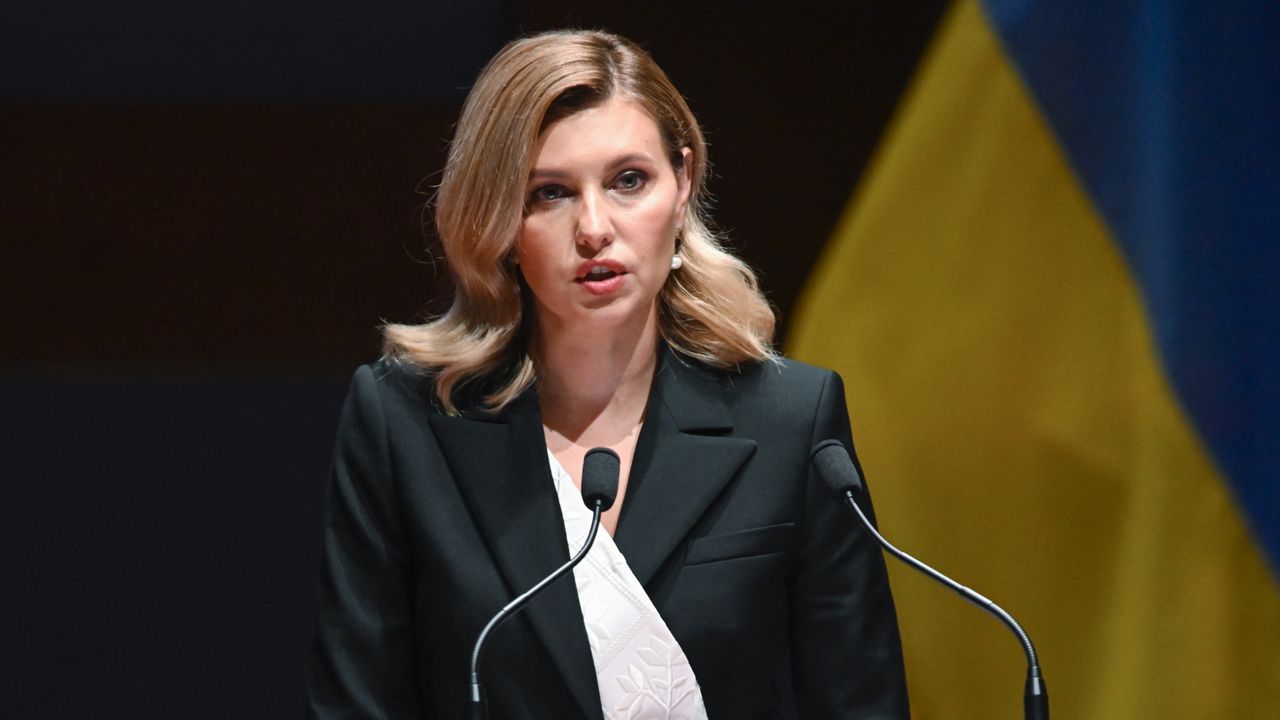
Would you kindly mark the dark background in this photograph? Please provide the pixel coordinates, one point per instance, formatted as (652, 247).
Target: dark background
(207, 208)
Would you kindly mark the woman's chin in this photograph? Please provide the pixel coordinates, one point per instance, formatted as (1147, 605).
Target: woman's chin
(601, 313)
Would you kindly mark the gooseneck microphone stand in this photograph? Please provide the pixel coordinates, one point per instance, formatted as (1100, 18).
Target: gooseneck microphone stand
(600, 472)
(836, 468)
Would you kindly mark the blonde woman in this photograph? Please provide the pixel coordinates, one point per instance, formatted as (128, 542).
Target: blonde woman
(593, 307)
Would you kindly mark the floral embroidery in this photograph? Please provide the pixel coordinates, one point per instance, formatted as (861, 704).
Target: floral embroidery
(662, 689)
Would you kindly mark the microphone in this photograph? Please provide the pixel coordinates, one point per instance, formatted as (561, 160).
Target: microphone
(600, 470)
(837, 470)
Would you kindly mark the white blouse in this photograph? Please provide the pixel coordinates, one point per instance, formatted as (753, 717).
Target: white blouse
(641, 670)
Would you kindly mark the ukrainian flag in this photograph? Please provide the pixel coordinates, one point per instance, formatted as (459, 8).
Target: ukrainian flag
(1055, 301)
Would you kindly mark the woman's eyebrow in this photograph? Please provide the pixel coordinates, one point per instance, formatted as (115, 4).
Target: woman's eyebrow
(629, 158)
(546, 173)
(554, 173)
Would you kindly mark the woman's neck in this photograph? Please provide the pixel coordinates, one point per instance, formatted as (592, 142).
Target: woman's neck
(589, 378)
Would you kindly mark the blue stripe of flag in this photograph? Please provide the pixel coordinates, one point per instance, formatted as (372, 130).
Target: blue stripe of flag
(1170, 115)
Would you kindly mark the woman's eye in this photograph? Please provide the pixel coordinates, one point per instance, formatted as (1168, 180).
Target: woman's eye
(548, 193)
(631, 180)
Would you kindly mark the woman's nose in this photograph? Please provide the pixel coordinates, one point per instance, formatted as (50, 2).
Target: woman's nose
(594, 228)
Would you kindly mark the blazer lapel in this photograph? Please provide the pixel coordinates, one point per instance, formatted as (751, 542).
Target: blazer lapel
(500, 465)
(684, 459)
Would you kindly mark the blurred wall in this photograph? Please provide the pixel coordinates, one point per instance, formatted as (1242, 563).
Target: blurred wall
(205, 211)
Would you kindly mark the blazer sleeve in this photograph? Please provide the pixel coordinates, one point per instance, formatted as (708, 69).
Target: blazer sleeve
(846, 651)
(362, 661)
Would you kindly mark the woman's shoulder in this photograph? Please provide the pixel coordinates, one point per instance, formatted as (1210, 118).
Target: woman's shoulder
(393, 383)
(779, 372)
(785, 371)
(774, 383)
(780, 402)
(399, 384)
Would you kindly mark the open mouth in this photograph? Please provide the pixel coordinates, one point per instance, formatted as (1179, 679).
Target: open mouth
(598, 273)
(601, 277)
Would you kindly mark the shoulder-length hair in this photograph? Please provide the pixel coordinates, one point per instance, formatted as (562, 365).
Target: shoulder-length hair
(711, 309)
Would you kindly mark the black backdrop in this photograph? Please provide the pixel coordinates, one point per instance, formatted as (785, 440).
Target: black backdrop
(205, 210)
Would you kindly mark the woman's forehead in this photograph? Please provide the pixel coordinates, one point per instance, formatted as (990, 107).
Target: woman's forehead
(617, 126)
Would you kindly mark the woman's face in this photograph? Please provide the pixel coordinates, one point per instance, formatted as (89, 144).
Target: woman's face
(602, 205)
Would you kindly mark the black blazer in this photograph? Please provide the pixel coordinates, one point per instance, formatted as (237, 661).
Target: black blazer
(435, 521)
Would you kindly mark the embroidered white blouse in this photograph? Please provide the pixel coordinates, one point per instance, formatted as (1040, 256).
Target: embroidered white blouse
(641, 670)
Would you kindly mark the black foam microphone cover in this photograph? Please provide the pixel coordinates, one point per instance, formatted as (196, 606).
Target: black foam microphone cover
(835, 467)
(600, 470)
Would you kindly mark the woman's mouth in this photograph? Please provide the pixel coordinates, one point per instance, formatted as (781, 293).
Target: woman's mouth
(600, 277)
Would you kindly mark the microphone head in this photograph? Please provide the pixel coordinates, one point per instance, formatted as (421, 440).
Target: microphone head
(835, 467)
(600, 469)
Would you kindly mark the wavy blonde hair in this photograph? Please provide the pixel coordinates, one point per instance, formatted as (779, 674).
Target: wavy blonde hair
(711, 309)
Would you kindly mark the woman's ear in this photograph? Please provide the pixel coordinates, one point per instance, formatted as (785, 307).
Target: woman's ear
(684, 182)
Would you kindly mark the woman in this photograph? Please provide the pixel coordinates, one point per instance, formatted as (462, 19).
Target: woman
(593, 308)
